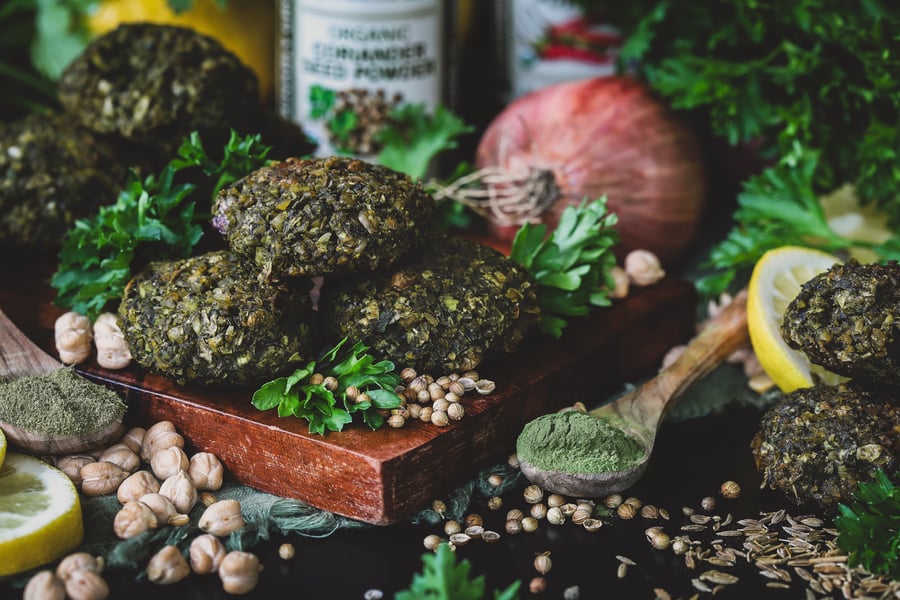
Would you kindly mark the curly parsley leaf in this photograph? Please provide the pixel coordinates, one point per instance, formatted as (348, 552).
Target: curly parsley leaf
(152, 219)
(303, 396)
(780, 207)
(869, 529)
(572, 266)
(443, 578)
(416, 137)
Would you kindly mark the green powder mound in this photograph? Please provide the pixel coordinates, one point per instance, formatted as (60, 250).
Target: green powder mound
(61, 402)
(575, 442)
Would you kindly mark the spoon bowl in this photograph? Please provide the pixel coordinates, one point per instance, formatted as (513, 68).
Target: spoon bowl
(20, 357)
(640, 411)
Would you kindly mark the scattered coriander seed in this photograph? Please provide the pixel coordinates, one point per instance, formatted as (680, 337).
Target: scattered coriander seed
(423, 397)
(658, 538)
(555, 516)
(402, 411)
(626, 511)
(471, 374)
(533, 494)
(495, 480)
(352, 392)
(456, 411)
(612, 501)
(330, 383)
(451, 527)
(542, 563)
(537, 585)
(457, 389)
(425, 414)
(687, 511)
(568, 509)
(418, 384)
(730, 490)
(286, 551)
(664, 514)
(592, 524)
(432, 541)
(513, 460)
(556, 500)
(680, 545)
(440, 418)
(459, 539)
(440, 404)
(474, 531)
(513, 526)
(635, 502)
(396, 421)
(316, 379)
(467, 383)
(708, 503)
(529, 524)
(538, 511)
(515, 514)
(474, 519)
(373, 594)
(439, 506)
(443, 381)
(495, 502)
(408, 374)
(582, 513)
(572, 593)
(489, 536)
(435, 391)
(362, 398)
(414, 410)
(648, 511)
(485, 386)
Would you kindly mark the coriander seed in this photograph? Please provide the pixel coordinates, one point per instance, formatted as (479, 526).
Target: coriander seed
(515, 514)
(495, 502)
(529, 524)
(555, 516)
(537, 585)
(538, 511)
(730, 490)
(533, 494)
(408, 374)
(495, 480)
(625, 511)
(708, 503)
(432, 541)
(648, 511)
(513, 526)
(456, 411)
(452, 526)
(542, 563)
(474, 519)
(396, 421)
(612, 501)
(555, 500)
(286, 551)
(439, 506)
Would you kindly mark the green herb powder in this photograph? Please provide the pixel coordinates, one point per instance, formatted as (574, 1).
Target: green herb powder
(575, 442)
(61, 402)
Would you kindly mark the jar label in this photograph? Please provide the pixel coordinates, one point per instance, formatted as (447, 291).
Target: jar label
(347, 63)
(543, 42)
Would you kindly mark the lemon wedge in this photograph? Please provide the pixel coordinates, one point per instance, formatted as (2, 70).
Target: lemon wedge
(775, 282)
(40, 514)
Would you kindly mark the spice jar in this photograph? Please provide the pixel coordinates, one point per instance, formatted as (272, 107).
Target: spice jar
(344, 65)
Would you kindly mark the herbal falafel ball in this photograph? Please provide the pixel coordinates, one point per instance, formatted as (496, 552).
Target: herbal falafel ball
(445, 308)
(847, 320)
(53, 172)
(155, 84)
(207, 319)
(817, 444)
(322, 216)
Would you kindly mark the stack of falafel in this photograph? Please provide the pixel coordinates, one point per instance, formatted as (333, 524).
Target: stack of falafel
(127, 102)
(414, 296)
(817, 444)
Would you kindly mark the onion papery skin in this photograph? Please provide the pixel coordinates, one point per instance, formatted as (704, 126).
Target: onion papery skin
(612, 136)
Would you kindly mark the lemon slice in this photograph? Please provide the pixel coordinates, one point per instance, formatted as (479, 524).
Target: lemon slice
(775, 282)
(40, 514)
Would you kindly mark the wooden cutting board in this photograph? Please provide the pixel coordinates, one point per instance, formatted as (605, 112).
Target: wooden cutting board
(388, 475)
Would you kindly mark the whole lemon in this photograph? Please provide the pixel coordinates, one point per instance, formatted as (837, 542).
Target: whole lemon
(245, 27)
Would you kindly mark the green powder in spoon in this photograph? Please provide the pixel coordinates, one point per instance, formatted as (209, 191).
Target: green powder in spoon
(575, 442)
(61, 402)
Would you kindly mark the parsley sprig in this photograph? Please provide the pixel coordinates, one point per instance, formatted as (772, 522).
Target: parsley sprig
(152, 219)
(329, 410)
(443, 578)
(573, 265)
(869, 529)
(780, 207)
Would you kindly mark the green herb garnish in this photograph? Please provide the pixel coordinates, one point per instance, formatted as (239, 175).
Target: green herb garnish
(152, 219)
(443, 578)
(573, 265)
(330, 409)
(869, 529)
(415, 137)
(780, 207)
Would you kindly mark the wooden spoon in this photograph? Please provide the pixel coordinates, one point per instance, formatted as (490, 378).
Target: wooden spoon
(20, 357)
(640, 411)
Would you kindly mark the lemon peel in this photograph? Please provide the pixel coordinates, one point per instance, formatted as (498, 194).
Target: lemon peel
(776, 280)
(40, 514)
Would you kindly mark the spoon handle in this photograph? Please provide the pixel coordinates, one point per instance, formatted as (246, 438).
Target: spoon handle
(20, 356)
(722, 335)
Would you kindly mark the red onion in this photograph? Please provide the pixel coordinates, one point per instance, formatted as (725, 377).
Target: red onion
(583, 139)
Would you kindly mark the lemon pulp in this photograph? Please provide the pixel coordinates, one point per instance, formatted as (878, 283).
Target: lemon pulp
(40, 514)
(776, 280)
